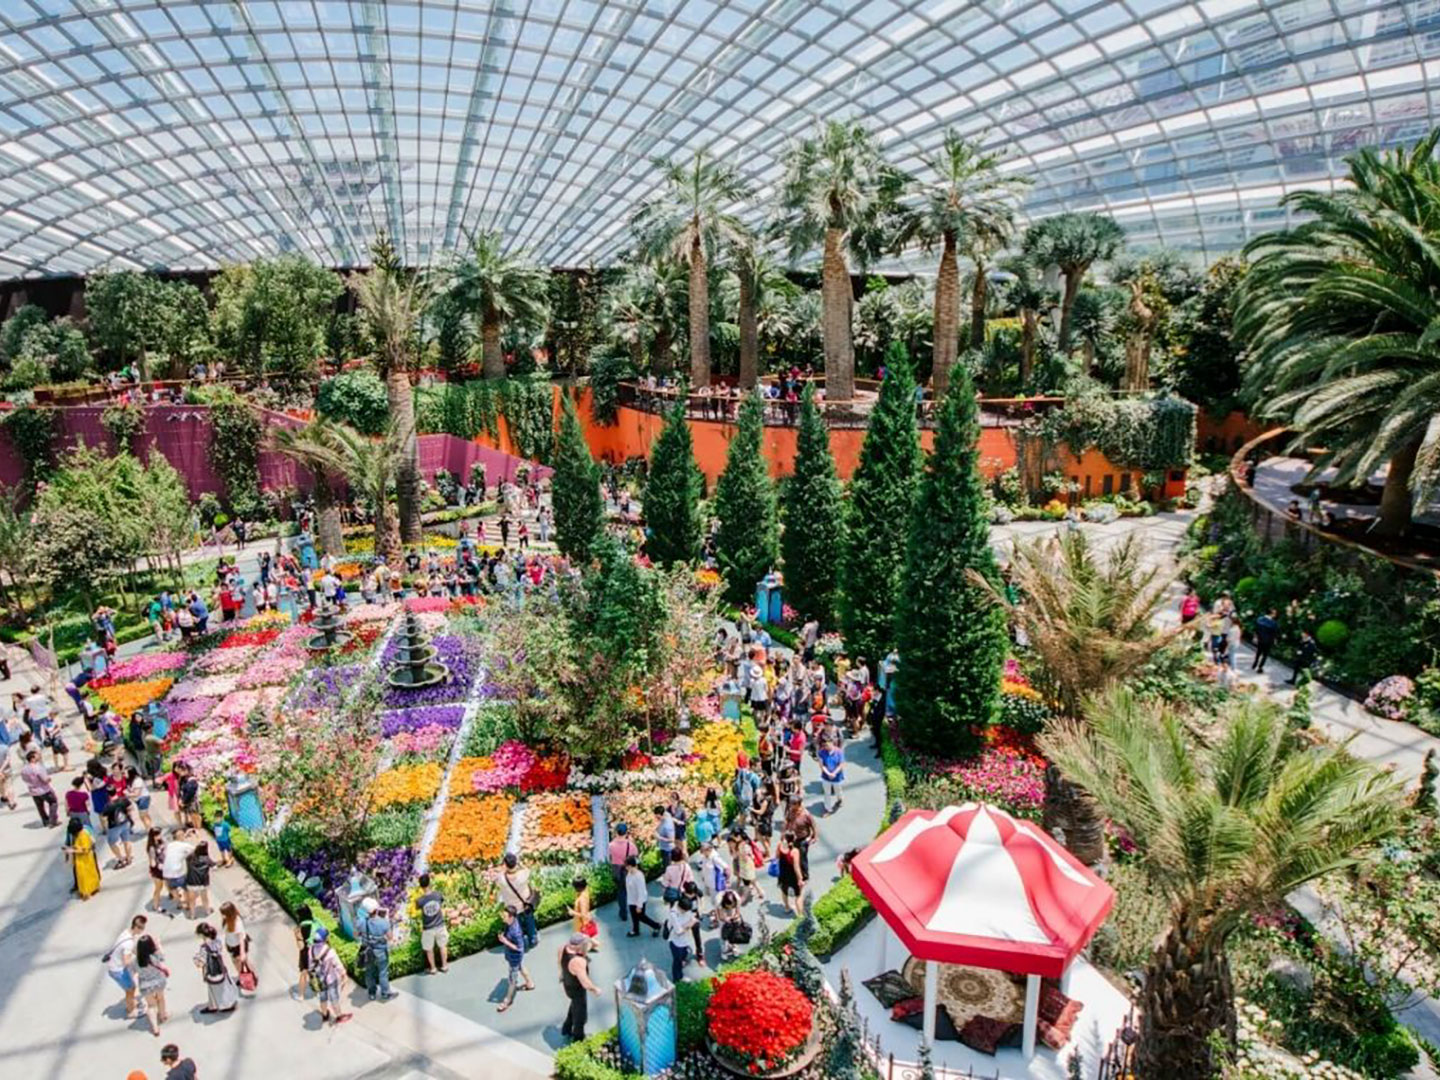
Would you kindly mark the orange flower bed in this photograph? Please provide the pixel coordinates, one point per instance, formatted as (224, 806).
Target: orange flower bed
(465, 768)
(126, 698)
(557, 824)
(406, 784)
(473, 830)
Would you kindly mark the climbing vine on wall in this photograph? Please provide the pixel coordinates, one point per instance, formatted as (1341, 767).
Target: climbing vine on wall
(235, 455)
(474, 408)
(1143, 433)
(529, 411)
(124, 423)
(32, 432)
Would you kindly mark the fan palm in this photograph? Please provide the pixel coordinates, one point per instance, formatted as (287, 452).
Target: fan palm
(1227, 826)
(840, 193)
(645, 308)
(1091, 625)
(758, 291)
(687, 221)
(965, 202)
(318, 447)
(1074, 242)
(392, 303)
(499, 287)
(1343, 318)
(372, 465)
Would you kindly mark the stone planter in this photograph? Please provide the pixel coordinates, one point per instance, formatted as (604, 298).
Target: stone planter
(807, 1056)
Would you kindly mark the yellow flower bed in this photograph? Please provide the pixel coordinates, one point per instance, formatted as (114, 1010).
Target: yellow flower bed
(1015, 689)
(717, 745)
(267, 619)
(126, 698)
(405, 785)
(460, 786)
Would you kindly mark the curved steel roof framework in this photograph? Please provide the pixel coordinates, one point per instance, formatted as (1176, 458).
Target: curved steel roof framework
(185, 135)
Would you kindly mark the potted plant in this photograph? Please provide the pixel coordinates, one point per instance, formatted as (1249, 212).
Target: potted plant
(760, 1024)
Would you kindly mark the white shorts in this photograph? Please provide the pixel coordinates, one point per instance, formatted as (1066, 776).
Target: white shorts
(430, 938)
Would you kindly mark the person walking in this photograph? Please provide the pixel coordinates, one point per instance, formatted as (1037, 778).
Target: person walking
(119, 962)
(79, 851)
(832, 774)
(304, 928)
(237, 944)
(575, 980)
(516, 891)
(172, 866)
(178, 1069)
(118, 820)
(677, 873)
(1267, 629)
(155, 860)
(37, 783)
(151, 977)
(744, 855)
(622, 848)
(1304, 657)
(375, 935)
(678, 925)
(714, 878)
(800, 824)
(792, 877)
(210, 960)
(512, 941)
(434, 935)
(636, 895)
(582, 919)
(197, 873)
(328, 973)
(665, 832)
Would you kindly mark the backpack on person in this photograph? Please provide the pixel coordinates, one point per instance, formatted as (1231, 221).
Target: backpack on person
(198, 861)
(214, 965)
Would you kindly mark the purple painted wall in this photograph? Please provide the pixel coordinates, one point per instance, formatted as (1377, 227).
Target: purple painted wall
(182, 434)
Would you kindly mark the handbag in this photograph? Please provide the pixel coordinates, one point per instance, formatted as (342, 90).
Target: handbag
(591, 929)
(247, 980)
(773, 868)
(670, 895)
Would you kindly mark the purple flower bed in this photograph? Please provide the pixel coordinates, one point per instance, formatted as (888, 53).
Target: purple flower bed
(462, 660)
(190, 712)
(390, 867)
(325, 687)
(412, 719)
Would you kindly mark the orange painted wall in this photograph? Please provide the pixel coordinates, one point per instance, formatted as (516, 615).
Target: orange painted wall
(1225, 434)
(634, 432)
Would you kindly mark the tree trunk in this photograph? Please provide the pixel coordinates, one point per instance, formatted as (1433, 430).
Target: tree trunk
(1187, 1000)
(1395, 498)
(492, 359)
(1073, 277)
(977, 306)
(1137, 361)
(660, 359)
(1070, 809)
(387, 533)
(749, 331)
(328, 527)
(947, 316)
(699, 317)
(1029, 329)
(836, 297)
(407, 469)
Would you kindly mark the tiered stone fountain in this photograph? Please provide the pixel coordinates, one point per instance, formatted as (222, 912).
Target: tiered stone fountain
(327, 621)
(415, 663)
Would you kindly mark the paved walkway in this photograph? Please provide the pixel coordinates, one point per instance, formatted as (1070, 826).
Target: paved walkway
(475, 984)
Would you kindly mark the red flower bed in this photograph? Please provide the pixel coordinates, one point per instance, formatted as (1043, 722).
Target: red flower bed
(250, 637)
(549, 773)
(759, 1021)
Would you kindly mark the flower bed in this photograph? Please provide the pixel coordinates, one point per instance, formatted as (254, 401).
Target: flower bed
(245, 639)
(758, 1021)
(235, 707)
(224, 661)
(515, 766)
(636, 807)
(429, 743)
(451, 651)
(147, 665)
(128, 698)
(557, 825)
(327, 687)
(473, 830)
(401, 720)
(406, 784)
(206, 686)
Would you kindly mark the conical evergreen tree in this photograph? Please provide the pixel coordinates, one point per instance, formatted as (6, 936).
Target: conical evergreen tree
(814, 519)
(882, 492)
(672, 493)
(951, 638)
(1424, 799)
(747, 543)
(575, 488)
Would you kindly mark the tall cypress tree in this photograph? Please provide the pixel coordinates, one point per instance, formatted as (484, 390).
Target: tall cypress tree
(748, 541)
(672, 493)
(814, 511)
(882, 492)
(579, 512)
(951, 637)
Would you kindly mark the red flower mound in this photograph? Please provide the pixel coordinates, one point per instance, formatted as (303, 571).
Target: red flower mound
(250, 637)
(758, 1020)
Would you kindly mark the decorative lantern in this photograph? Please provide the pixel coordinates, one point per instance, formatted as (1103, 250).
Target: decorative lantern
(730, 700)
(356, 891)
(243, 798)
(645, 1000)
(159, 720)
(769, 599)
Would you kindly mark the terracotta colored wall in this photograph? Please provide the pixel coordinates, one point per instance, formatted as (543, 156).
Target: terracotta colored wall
(1225, 434)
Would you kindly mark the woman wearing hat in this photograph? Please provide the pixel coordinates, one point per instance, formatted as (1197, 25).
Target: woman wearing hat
(328, 972)
(575, 979)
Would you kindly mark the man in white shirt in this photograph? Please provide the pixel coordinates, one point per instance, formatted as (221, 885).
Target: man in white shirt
(37, 710)
(120, 963)
(172, 869)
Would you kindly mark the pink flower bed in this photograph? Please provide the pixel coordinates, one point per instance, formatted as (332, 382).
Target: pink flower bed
(227, 660)
(190, 711)
(430, 742)
(361, 613)
(427, 603)
(272, 669)
(511, 762)
(212, 686)
(148, 665)
(1000, 776)
(235, 707)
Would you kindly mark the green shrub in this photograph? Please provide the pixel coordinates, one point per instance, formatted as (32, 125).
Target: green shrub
(1244, 585)
(1331, 634)
(580, 1061)
(356, 398)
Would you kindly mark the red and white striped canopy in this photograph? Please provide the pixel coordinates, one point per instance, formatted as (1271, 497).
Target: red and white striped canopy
(972, 885)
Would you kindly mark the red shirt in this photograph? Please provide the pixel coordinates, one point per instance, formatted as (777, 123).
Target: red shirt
(795, 747)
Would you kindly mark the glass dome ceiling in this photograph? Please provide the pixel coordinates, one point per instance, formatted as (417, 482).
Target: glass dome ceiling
(172, 134)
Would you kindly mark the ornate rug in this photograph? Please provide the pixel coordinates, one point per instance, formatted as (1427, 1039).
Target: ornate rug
(971, 991)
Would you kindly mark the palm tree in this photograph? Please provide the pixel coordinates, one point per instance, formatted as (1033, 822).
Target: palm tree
(372, 465)
(1340, 312)
(687, 221)
(1026, 292)
(839, 192)
(966, 202)
(1091, 624)
(1228, 825)
(392, 303)
(499, 287)
(755, 289)
(645, 308)
(318, 447)
(1074, 242)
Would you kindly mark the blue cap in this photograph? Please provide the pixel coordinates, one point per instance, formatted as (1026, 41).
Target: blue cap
(320, 933)
(622, 828)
